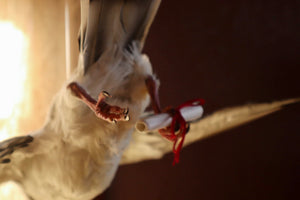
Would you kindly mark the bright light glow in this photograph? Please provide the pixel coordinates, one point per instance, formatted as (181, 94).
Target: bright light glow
(12, 191)
(13, 45)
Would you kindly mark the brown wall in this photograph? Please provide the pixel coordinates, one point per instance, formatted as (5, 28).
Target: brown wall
(229, 53)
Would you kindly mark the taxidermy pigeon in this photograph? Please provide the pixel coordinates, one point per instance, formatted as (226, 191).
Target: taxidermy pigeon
(90, 127)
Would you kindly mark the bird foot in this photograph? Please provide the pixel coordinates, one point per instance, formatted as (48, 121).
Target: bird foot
(103, 110)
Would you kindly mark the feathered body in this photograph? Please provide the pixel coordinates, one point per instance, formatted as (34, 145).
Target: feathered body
(76, 154)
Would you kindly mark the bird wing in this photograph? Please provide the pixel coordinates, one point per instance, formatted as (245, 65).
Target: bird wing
(152, 146)
(8, 148)
(105, 23)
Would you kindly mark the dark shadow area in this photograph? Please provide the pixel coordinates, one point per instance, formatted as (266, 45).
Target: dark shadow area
(229, 53)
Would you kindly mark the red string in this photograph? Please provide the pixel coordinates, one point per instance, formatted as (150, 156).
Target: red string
(178, 129)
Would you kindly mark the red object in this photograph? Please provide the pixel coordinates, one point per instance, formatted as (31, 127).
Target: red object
(103, 110)
(179, 127)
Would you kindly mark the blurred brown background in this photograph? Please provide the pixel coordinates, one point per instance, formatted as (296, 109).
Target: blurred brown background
(229, 53)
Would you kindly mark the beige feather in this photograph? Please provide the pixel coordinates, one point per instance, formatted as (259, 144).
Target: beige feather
(153, 146)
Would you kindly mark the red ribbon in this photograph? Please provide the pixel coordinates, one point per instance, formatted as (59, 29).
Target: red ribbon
(179, 127)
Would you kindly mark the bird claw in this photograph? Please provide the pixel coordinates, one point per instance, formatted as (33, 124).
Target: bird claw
(126, 118)
(106, 94)
(126, 111)
(111, 114)
(103, 110)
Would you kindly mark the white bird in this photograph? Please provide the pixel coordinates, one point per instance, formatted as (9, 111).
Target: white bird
(75, 155)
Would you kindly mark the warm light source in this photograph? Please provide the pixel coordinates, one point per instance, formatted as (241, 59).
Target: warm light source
(13, 45)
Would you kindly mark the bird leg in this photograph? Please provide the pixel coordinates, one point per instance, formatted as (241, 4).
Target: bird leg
(152, 87)
(103, 110)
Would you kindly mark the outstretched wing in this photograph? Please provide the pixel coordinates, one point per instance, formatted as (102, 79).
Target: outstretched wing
(105, 23)
(152, 146)
(7, 148)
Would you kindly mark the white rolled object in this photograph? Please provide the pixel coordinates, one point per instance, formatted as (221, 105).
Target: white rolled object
(162, 120)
